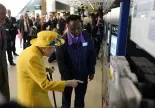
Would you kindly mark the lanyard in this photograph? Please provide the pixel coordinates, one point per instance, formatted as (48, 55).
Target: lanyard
(78, 58)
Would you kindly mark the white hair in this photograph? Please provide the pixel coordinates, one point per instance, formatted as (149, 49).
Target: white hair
(87, 20)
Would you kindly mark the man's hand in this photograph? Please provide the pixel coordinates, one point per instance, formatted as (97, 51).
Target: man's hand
(73, 83)
(91, 77)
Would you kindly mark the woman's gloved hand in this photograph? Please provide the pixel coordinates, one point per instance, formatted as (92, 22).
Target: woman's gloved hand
(50, 70)
(73, 83)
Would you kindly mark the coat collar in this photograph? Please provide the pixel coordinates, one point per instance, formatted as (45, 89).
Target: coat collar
(37, 51)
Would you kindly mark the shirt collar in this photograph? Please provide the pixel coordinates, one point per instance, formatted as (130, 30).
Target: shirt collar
(70, 37)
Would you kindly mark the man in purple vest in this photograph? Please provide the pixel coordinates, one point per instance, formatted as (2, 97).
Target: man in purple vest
(76, 60)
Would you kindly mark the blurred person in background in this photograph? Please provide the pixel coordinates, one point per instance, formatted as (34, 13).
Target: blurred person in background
(8, 26)
(97, 29)
(13, 30)
(20, 18)
(33, 84)
(99, 34)
(37, 17)
(58, 16)
(86, 12)
(76, 60)
(41, 25)
(4, 81)
(52, 23)
(24, 27)
(94, 29)
(33, 20)
(87, 25)
(61, 24)
(18, 22)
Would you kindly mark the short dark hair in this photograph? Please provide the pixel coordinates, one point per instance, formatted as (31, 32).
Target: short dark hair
(73, 18)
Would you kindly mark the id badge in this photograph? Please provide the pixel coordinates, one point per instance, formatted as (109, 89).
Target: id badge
(85, 44)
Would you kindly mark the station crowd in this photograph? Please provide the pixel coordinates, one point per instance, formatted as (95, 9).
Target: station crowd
(71, 40)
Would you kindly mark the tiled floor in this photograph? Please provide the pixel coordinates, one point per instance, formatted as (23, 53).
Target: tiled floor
(93, 96)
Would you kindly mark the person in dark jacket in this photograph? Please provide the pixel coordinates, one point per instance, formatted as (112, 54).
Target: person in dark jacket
(7, 27)
(41, 25)
(99, 35)
(52, 23)
(61, 24)
(4, 81)
(13, 30)
(87, 27)
(76, 60)
(24, 27)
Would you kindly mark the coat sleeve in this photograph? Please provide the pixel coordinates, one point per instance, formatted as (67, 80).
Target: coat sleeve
(60, 56)
(37, 73)
(91, 57)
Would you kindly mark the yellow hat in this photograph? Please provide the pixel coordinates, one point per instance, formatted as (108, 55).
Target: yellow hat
(47, 39)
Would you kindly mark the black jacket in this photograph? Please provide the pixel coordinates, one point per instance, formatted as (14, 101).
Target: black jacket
(67, 58)
(21, 25)
(62, 25)
(52, 24)
(88, 28)
(39, 28)
(7, 27)
(12, 28)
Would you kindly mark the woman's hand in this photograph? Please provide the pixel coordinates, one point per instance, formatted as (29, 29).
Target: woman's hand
(50, 70)
(73, 83)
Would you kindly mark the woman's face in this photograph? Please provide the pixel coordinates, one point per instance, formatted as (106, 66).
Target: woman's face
(48, 51)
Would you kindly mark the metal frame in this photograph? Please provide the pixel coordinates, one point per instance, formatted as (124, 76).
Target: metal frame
(122, 37)
(123, 28)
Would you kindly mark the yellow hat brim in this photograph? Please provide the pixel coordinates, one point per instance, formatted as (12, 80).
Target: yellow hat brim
(46, 44)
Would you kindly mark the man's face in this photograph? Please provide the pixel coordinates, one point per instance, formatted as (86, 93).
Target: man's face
(37, 17)
(64, 17)
(75, 27)
(26, 16)
(9, 13)
(51, 15)
(42, 19)
(2, 15)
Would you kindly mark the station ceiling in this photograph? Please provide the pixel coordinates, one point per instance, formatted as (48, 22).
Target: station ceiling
(17, 5)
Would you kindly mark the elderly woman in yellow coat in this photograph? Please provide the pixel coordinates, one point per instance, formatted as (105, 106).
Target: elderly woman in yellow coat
(33, 85)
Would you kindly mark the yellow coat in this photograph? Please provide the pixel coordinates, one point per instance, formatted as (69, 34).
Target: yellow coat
(33, 85)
